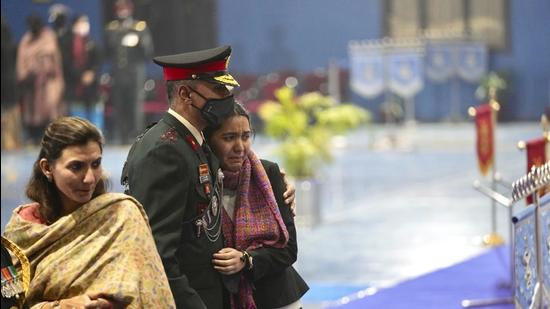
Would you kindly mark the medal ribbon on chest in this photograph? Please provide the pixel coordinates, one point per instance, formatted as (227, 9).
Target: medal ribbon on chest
(210, 215)
(11, 282)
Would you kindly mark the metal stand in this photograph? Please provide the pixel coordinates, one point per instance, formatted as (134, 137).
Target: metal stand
(508, 203)
(492, 239)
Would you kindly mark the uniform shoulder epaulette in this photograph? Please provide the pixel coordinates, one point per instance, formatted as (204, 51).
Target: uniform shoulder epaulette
(140, 25)
(170, 135)
(115, 24)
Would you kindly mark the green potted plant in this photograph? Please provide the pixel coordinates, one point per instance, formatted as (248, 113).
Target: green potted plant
(490, 85)
(305, 125)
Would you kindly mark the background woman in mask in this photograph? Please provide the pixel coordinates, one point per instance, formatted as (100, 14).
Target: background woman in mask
(83, 64)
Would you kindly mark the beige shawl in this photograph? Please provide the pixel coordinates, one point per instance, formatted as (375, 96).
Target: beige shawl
(105, 246)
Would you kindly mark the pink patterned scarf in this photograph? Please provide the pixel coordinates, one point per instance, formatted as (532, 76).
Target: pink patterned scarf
(257, 220)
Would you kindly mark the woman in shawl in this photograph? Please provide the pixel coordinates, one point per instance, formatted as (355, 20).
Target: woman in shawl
(86, 248)
(257, 224)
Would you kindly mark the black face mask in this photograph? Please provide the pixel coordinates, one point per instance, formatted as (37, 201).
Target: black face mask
(215, 110)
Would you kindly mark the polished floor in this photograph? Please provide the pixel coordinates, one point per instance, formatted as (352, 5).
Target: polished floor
(395, 203)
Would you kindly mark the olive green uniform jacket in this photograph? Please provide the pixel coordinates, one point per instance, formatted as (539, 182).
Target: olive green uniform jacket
(162, 172)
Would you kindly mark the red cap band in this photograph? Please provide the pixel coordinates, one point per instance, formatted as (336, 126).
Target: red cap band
(171, 73)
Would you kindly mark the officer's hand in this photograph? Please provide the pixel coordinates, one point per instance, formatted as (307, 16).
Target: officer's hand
(290, 193)
(81, 302)
(99, 301)
(228, 261)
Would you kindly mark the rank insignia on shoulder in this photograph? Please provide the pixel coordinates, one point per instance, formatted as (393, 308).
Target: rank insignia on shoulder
(113, 25)
(170, 135)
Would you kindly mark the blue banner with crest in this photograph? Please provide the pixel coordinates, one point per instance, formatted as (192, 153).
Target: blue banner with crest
(471, 61)
(405, 73)
(367, 73)
(440, 61)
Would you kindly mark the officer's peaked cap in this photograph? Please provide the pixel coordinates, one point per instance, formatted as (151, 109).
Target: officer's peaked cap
(209, 65)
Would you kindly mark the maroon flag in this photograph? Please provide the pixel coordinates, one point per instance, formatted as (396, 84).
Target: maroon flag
(485, 140)
(536, 156)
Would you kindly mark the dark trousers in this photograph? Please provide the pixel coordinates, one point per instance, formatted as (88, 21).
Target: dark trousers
(127, 119)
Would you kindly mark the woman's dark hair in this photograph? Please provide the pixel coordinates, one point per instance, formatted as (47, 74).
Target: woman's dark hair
(60, 134)
(34, 23)
(238, 110)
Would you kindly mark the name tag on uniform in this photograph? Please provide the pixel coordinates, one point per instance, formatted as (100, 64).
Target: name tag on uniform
(204, 175)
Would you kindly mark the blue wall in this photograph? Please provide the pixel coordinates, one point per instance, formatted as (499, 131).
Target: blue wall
(307, 34)
(528, 58)
(303, 35)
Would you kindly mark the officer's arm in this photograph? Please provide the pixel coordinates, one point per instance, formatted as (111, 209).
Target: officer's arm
(159, 183)
(268, 260)
(110, 41)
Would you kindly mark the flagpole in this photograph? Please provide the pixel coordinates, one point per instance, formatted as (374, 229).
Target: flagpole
(493, 239)
(455, 99)
(409, 111)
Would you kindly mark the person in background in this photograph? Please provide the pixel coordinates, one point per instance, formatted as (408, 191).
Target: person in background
(259, 231)
(11, 118)
(59, 19)
(129, 47)
(39, 77)
(86, 248)
(83, 64)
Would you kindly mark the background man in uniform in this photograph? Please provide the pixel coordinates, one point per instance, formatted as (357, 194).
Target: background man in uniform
(129, 46)
(171, 171)
(59, 19)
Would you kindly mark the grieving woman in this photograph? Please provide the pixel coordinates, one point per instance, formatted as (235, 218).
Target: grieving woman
(258, 226)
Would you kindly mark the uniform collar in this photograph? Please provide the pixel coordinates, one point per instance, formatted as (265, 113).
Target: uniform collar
(196, 133)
